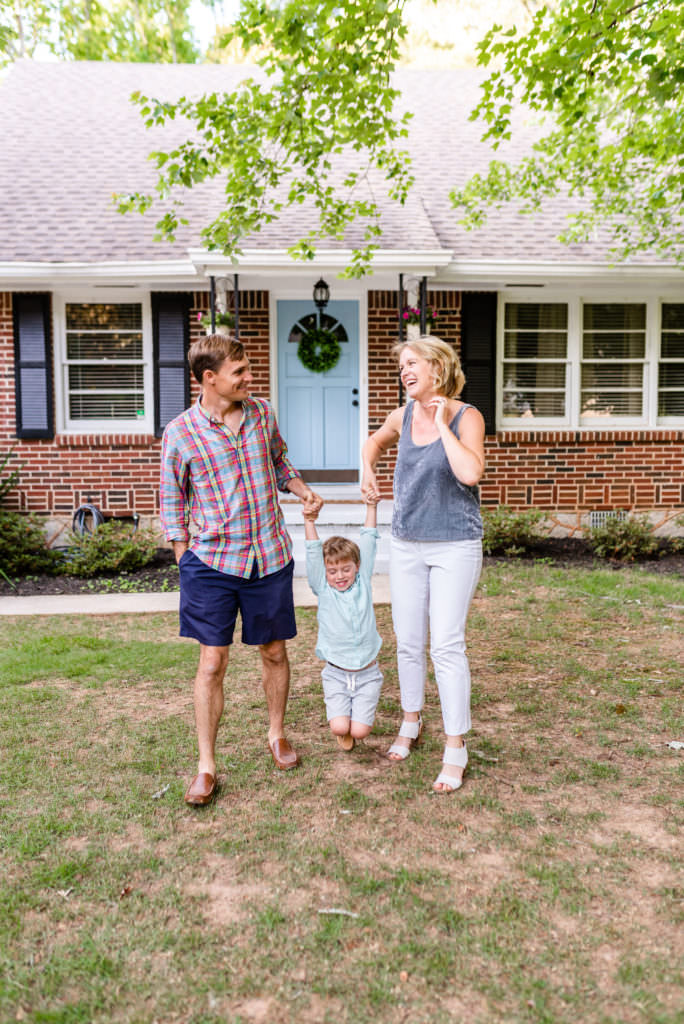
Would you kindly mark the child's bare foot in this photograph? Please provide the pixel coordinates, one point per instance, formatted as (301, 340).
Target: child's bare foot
(346, 742)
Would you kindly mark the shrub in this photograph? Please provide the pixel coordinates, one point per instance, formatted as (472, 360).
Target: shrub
(112, 547)
(508, 532)
(676, 543)
(7, 483)
(22, 546)
(623, 539)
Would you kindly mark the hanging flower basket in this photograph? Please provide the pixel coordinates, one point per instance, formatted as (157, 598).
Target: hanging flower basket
(411, 317)
(319, 350)
(223, 322)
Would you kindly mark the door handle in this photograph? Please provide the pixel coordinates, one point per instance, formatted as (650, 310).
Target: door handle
(355, 402)
(355, 391)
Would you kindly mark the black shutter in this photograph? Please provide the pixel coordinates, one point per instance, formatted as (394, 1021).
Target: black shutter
(478, 353)
(33, 365)
(171, 333)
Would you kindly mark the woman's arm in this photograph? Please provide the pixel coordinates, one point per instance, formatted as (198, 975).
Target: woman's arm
(375, 447)
(466, 457)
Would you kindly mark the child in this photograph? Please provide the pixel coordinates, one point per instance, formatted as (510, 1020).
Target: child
(339, 572)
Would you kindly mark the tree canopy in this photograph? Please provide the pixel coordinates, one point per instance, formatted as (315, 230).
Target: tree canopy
(602, 78)
(605, 78)
(157, 31)
(277, 140)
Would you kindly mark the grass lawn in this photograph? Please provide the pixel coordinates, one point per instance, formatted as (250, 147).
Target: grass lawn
(548, 889)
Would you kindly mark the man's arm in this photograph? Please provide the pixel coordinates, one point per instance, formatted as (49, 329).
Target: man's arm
(284, 470)
(179, 549)
(312, 502)
(287, 477)
(173, 506)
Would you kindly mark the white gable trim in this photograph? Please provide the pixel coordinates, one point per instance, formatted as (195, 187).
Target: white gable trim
(496, 275)
(270, 262)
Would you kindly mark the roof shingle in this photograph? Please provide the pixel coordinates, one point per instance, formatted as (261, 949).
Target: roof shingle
(71, 138)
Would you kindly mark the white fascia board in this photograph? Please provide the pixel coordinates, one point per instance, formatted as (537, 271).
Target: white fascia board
(121, 272)
(268, 262)
(502, 274)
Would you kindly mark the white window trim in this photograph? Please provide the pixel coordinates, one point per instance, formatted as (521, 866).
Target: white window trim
(65, 425)
(673, 422)
(571, 421)
(536, 422)
(597, 422)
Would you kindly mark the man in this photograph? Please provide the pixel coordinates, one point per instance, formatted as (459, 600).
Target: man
(223, 461)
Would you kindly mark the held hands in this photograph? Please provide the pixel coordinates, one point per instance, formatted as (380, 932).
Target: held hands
(311, 506)
(369, 488)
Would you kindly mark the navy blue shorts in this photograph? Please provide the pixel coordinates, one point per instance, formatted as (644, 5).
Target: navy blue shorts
(210, 600)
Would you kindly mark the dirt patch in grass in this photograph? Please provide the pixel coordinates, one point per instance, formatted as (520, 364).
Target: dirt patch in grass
(546, 889)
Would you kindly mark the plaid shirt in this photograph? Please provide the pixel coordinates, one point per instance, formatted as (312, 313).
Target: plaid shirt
(227, 484)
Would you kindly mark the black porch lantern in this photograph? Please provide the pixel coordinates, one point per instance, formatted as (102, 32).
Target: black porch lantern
(321, 295)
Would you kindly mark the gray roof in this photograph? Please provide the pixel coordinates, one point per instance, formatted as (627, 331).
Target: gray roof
(70, 138)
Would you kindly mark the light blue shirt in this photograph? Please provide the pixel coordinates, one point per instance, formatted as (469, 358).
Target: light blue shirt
(347, 634)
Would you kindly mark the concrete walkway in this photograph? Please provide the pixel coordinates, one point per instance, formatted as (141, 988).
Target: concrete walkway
(131, 604)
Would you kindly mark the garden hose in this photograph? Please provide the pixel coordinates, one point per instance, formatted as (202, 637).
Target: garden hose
(82, 515)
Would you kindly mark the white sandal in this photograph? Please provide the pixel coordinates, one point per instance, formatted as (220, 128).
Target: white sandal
(456, 757)
(410, 731)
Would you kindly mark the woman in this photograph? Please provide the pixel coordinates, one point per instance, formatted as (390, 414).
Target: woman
(436, 551)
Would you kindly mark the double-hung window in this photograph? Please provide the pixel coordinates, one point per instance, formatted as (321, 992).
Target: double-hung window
(582, 363)
(671, 363)
(535, 349)
(613, 360)
(106, 367)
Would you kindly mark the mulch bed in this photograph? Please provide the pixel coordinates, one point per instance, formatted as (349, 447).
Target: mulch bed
(162, 574)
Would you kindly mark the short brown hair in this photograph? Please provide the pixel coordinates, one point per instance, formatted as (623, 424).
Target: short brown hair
(449, 377)
(339, 549)
(211, 351)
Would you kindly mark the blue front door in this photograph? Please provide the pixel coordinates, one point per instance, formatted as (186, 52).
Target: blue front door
(318, 413)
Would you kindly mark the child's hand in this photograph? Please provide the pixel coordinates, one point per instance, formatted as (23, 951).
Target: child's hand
(371, 496)
(310, 516)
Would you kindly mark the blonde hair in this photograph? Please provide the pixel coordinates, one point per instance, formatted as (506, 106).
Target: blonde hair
(446, 366)
(339, 549)
(210, 352)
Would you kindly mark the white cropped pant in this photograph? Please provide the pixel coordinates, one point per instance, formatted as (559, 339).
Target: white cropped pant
(433, 582)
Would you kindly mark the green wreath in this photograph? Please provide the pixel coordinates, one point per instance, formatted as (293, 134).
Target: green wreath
(319, 350)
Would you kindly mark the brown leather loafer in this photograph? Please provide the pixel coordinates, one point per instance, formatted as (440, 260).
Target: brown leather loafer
(201, 790)
(283, 754)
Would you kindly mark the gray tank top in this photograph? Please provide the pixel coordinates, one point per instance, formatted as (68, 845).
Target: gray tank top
(429, 502)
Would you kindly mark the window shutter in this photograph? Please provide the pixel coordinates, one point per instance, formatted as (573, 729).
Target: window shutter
(171, 333)
(478, 353)
(33, 366)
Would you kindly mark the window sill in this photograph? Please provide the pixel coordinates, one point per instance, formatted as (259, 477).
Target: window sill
(564, 434)
(107, 441)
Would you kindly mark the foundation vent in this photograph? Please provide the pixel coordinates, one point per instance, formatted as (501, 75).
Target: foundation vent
(597, 519)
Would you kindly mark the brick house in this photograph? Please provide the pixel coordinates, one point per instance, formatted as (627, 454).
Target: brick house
(577, 365)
